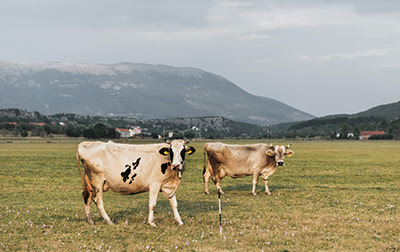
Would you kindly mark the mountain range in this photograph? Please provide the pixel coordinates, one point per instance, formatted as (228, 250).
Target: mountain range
(134, 90)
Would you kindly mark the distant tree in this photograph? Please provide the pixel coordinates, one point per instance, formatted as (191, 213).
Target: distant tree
(190, 134)
(345, 130)
(24, 133)
(100, 130)
(47, 129)
(89, 133)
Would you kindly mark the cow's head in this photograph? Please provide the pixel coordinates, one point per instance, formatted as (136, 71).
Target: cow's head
(177, 151)
(279, 152)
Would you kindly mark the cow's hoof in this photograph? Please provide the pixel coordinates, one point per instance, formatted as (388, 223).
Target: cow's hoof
(269, 193)
(207, 193)
(180, 223)
(153, 224)
(254, 193)
(89, 221)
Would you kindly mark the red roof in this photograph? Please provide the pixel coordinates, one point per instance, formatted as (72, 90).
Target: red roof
(122, 130)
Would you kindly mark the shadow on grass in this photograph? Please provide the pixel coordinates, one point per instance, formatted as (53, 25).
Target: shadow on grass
(233, 189)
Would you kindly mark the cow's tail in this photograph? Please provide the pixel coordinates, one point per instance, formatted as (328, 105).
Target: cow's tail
(78, 158)
(204, 160)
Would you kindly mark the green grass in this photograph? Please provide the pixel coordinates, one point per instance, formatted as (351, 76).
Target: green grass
(335, 196)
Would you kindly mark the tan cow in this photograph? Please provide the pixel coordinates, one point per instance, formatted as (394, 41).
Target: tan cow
(239, 161)
(131, 169)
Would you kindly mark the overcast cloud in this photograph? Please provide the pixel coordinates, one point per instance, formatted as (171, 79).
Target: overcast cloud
(322, 57)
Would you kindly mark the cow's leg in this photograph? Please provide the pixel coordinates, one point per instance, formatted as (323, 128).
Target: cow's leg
(174, 205)
(87, 199)
(216, 181)
(153, 191)
(218, 176)
(206, 177)
(98, 199)
(266, 181)
(255, 181)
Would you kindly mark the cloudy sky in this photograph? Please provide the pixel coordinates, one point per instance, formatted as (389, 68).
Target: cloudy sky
(320, 56)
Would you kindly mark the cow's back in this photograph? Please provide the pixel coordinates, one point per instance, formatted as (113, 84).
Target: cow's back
(236, 160)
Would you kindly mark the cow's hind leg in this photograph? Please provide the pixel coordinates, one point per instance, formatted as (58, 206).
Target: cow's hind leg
(206, 177)
(87, 199)
(87, 195)
(174, 205)
(98, 199)
(255, 181)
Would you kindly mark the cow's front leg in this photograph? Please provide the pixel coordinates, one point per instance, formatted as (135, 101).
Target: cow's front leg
(154, 189)
(174, 205)
(266, 181)
(255, 181)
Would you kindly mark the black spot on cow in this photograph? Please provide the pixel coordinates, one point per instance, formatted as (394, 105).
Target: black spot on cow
(136, 164)
(164, 167)
(133, 177)
(126, 173)
(183, 154)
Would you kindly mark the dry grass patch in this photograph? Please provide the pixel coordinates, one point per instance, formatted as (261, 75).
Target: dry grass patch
(329, 196)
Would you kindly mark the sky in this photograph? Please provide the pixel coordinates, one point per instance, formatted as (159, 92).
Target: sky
(320, 56)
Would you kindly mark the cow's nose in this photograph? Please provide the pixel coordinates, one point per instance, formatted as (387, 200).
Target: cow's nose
(281, 163)
(175, 166)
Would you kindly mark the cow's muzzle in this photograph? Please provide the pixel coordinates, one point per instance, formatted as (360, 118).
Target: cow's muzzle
(176, 166)
(281, 163)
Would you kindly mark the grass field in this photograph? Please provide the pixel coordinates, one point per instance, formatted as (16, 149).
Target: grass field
(337, 196)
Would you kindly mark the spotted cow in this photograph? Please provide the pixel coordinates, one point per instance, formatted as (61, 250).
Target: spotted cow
(131, 169)
(239, 161)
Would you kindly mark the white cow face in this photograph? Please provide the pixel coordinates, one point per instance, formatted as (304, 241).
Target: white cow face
(279, 152)
(177, 153)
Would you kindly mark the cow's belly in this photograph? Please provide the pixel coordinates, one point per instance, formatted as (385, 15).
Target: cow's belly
(235, 173)
(125, 188)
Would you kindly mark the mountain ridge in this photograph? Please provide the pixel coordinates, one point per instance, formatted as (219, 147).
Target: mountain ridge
(137, 90)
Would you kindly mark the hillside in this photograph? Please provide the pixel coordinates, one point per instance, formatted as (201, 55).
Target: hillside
(380, 118)
(208, 127)
(388, 111)
(135, 90)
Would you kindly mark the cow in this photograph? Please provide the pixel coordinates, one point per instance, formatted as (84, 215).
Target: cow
(239, 161)
(131, 169)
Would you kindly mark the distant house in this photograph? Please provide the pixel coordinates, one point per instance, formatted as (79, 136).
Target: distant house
(10, 123)
(124, 133)
(364, 135)
(135, 130)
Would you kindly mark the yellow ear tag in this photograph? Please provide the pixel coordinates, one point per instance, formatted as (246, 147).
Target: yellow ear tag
(269, 153)
(289, 155)
(189, 151)
(165, 152)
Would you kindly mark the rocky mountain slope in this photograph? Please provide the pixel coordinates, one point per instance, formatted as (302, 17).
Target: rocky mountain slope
(135, 90)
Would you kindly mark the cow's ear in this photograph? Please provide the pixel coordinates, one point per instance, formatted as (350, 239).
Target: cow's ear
(190, 150)
(289, 153)
(164, 151)
(270, 153)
